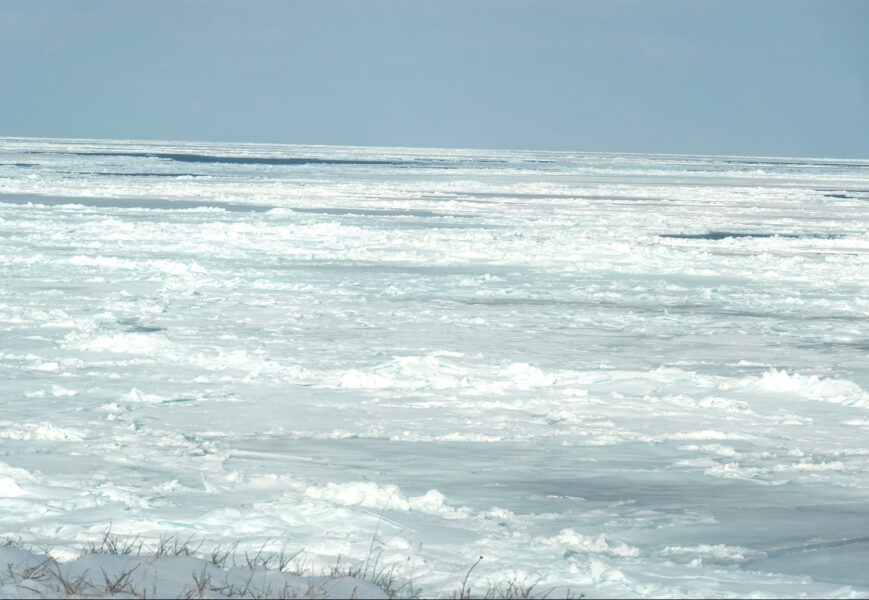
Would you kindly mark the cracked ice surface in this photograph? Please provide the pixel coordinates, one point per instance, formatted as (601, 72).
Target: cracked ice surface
(630, 375)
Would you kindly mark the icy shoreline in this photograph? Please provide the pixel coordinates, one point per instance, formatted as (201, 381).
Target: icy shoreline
(627, 375)
(120, 569)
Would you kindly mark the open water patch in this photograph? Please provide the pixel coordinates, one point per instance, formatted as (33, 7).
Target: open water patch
(245, 160)
(550, 196)
(428, 162)
(143, 203)
(723, 235)
(121, 174)
(377, 212)
(428, 270)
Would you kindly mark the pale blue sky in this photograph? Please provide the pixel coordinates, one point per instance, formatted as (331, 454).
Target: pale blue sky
(760, 77)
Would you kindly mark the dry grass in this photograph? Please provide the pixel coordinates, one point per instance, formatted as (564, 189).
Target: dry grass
(48, 578)
(513, 588)
(387, 578)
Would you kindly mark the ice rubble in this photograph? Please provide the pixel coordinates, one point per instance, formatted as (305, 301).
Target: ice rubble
(556, 361)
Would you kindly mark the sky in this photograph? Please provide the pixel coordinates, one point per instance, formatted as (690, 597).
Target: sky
(738, 77)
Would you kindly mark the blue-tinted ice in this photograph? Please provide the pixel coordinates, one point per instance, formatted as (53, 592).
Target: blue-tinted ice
(630, 375)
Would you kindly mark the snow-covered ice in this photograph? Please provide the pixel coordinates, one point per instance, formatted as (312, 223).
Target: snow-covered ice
(629, 375)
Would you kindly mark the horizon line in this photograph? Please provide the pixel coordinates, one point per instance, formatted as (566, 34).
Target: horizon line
(374, 146)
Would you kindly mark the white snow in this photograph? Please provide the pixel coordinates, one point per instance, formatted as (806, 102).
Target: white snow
(625, 375)
(98, 575)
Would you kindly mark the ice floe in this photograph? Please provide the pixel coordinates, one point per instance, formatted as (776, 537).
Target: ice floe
(617, 375)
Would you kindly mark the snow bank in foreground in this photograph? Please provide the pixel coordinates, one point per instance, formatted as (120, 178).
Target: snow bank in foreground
(101, 575)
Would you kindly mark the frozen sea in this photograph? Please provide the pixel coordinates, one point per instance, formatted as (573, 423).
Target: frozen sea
(629, 375)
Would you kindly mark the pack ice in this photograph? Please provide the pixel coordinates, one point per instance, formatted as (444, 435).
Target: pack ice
(619, 375)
